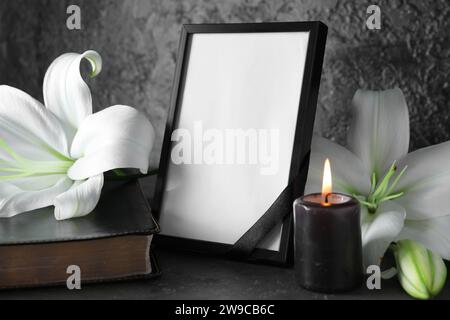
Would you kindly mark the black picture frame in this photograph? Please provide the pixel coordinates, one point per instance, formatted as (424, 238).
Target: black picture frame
(302, 139)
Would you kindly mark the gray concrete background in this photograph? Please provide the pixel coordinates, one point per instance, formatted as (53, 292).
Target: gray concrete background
(138, 40)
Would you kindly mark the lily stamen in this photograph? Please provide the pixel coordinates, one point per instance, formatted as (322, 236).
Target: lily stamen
(384, 190)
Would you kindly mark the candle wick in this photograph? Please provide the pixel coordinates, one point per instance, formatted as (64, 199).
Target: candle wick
(326, 197)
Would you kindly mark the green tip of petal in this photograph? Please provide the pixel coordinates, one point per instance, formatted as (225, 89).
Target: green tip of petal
(95, 60)
(95, 71)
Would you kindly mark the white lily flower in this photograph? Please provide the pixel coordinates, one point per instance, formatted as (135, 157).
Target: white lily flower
(404, 196)
(56, 154)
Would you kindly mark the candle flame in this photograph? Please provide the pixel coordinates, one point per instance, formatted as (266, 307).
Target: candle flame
(327, 184)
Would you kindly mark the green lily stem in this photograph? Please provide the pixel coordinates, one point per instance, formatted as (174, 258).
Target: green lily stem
(115, 177)
(119, 172)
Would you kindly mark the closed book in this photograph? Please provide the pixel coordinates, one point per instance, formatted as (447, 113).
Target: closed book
(111, 243)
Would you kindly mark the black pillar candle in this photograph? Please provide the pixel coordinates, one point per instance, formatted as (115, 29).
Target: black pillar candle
(328, 250)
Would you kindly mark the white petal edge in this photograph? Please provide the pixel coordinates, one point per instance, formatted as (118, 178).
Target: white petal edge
(426, 182)
(432, 233)
(116, 137)
(66, 94)
(15, 200)
(379, 230)
(80, 200)
(379, 132)
(29, 128)
(348, 173)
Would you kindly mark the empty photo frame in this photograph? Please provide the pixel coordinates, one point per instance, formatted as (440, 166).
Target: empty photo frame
(237, 140)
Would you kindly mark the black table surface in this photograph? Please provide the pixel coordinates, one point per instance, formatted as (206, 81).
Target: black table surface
(194, 276)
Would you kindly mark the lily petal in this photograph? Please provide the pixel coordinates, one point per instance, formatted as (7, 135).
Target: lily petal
(379, 230)
(432, 233)
(117, 137)
(65, 92)
(379, 132)
(349, 174)
(34, 154)
(426, 182)
(80, 199)
(28, 129)
(31, 194)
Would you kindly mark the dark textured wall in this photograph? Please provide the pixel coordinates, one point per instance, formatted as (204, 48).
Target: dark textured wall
(138, 40)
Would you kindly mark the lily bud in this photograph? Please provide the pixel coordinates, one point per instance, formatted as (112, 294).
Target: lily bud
(421, 272)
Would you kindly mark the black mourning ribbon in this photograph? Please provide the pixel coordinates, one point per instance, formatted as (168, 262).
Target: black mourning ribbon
(276, 213)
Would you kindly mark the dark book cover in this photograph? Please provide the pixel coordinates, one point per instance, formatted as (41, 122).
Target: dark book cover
(111, 243)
